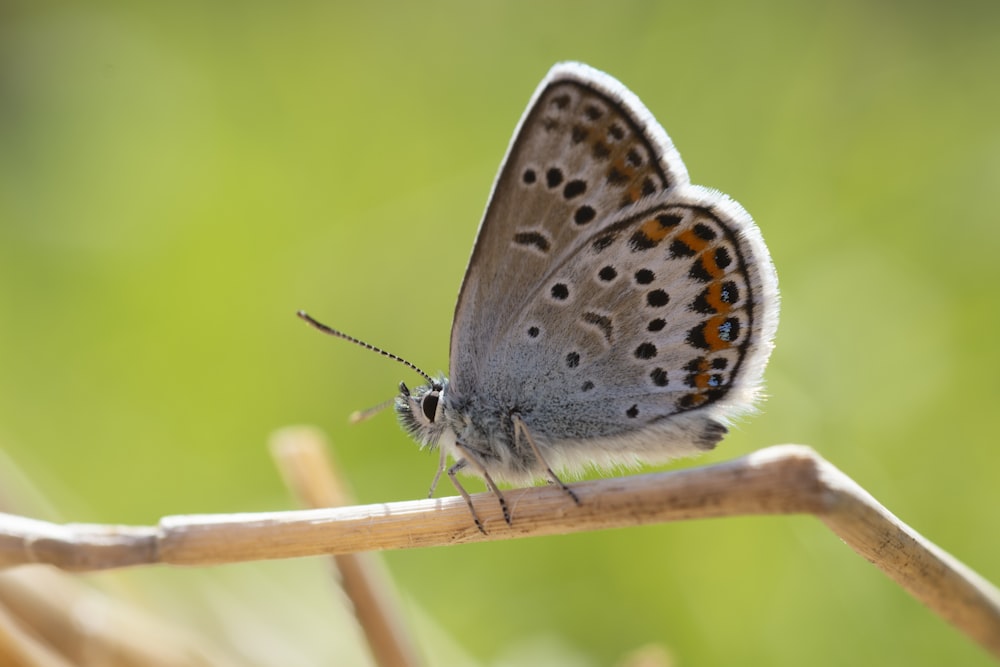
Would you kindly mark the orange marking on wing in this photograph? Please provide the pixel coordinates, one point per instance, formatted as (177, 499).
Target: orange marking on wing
(702, 376)
(653, 230)
(714, 298)
(701, 381)
(692, 240)
(708, 263)
(711, 332)
(624, 169)
(697, 399)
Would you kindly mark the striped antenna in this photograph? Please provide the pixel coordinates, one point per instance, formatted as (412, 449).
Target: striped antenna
(340, 334)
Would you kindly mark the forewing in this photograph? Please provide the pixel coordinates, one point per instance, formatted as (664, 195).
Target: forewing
(585, 150)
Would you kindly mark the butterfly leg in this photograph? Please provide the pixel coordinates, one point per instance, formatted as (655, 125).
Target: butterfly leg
(520, 426)
(452, 472)
(481, 471)
(442, 463)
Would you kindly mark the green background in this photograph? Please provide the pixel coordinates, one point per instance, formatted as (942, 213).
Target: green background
(176, 179)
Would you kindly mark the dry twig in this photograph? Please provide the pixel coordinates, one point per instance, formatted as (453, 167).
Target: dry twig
(787, 479)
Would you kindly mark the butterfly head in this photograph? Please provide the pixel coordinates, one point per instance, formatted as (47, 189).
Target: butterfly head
(420, 411)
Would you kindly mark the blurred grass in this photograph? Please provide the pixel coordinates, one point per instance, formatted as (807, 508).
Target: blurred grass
(177, 179)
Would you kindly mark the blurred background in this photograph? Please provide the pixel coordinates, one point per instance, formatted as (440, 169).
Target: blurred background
(176, 179)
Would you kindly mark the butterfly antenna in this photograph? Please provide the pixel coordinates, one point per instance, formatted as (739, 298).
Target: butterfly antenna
(340, 334)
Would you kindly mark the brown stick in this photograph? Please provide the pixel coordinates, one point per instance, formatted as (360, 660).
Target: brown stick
(787, 479)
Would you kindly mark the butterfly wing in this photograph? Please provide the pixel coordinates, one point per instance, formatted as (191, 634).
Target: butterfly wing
(607, 301)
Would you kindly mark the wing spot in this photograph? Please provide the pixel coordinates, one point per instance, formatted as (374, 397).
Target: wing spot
(553, 177)
(705, 232)
(533, 239)
(574, 188)
(584, 214)
(648, 187)
(644, 276)
(603, 242)
(657, 298)
(645, 351)
(616, 177)
(722, 258)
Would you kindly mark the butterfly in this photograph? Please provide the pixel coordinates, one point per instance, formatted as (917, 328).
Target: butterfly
(611, 314)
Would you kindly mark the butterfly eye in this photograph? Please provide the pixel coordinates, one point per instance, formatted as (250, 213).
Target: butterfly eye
(429, 405)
